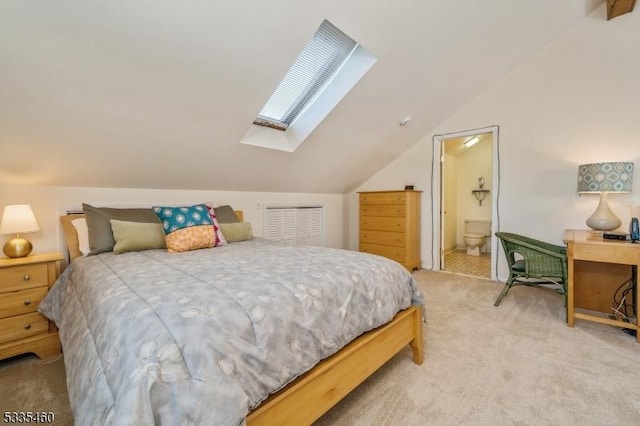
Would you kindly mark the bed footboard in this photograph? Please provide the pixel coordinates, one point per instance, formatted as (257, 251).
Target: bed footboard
(311, 395)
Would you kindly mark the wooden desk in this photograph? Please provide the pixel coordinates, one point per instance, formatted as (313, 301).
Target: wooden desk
(585, 245)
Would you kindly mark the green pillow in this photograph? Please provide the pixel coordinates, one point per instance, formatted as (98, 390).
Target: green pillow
(234, 232)
(100, 233)
(136, 236)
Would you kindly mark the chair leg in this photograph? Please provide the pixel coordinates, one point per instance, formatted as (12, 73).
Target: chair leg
(503, 293)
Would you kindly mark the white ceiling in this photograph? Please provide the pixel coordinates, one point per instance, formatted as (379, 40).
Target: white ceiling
(158, 93)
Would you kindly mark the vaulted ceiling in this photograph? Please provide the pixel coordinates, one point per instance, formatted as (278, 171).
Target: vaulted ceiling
(158, 93)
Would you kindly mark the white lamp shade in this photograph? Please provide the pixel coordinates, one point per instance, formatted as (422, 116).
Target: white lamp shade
(18, 219)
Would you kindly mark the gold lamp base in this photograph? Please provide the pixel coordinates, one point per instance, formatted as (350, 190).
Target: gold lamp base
(17, 247)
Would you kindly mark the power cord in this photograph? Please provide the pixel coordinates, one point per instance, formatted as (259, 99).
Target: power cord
(621, 307)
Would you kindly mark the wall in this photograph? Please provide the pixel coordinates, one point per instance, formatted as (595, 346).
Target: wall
(49, 202)
(450, 203)
(574, 102)
(472, 165)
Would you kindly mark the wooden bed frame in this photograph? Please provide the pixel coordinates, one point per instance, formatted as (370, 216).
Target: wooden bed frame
(308, 397)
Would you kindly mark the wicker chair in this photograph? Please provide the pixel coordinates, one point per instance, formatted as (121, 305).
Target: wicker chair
(534, 263)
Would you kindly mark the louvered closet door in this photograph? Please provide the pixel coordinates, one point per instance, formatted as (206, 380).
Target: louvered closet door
(296, 225)
(310, 226)
(282, 225)
(272, 224)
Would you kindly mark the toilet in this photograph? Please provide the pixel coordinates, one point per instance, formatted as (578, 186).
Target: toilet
(476, 233)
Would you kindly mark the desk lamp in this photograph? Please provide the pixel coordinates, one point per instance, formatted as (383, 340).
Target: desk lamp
(17, 219)
(604, 178)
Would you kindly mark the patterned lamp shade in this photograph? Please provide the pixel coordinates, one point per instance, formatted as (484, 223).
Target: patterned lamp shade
(605, 177)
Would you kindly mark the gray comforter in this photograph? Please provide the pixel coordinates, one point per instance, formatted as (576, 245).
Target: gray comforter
(203, 337)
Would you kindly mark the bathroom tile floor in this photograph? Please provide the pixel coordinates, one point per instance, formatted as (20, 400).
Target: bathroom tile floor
(460, 262)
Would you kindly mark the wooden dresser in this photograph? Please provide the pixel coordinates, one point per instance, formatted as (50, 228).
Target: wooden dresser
(23, 284)
(390, 225)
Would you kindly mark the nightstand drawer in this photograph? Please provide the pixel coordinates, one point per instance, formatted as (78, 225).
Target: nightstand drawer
(21, 302)
(22, 277)
(22, 326)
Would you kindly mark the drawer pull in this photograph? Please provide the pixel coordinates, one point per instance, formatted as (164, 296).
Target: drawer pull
(27, 302)
(26, 277)
(27, 326)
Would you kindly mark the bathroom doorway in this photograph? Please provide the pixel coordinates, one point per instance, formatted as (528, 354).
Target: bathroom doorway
(465, 194)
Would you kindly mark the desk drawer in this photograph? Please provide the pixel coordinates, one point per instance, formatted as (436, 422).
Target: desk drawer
(382, 223)
(622, 253)
(22, 277)
(20, 326)
(21, 302)
(396, 253)
(383, 198)
(385, 238)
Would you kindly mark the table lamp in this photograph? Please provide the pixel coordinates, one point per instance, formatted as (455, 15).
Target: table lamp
(604, 178)
(18, 219)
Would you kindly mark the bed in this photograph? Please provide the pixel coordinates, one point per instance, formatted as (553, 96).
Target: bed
(137, 331)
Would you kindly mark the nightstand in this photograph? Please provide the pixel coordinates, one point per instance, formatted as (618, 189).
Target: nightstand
(24, 282)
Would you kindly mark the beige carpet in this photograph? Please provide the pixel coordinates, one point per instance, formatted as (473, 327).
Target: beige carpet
(28, 384)
(518, 364)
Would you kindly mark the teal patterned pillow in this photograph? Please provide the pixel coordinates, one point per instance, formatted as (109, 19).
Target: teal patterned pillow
(186, 228)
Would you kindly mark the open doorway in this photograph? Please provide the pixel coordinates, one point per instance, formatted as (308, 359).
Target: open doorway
(465, 194)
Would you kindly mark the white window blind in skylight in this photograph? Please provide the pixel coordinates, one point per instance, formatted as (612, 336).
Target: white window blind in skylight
(314, 68)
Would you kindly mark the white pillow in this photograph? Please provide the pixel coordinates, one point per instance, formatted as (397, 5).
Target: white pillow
(83, 235)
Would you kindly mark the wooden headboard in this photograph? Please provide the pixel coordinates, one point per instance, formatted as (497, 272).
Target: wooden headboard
(71, 236)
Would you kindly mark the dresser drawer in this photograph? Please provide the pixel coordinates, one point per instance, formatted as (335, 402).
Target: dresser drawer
(20, 326)
(385, 238)
(21, 302)
(396, 253)
(383, 198)
(393, 210)
(22, 277)
(383, 223)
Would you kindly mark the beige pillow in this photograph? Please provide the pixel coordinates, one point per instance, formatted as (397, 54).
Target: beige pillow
(136, 236)
(83, 235)
(234, 232)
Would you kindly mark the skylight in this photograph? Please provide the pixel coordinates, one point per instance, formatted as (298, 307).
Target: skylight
(329, 66)
(320, 60)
